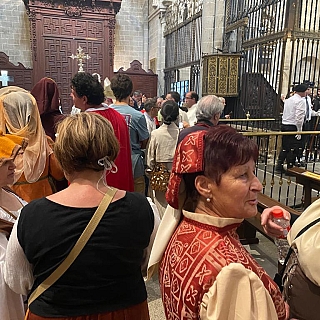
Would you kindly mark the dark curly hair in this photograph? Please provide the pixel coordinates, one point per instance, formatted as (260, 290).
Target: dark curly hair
(84, 84)
(122, 86)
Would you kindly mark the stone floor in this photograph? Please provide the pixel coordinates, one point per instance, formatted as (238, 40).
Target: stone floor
(264, 252)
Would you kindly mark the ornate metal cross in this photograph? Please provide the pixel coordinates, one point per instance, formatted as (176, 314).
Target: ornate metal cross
(80, 56)
(4, 78)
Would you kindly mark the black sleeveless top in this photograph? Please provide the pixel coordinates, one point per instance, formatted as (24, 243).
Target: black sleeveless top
(106, 276)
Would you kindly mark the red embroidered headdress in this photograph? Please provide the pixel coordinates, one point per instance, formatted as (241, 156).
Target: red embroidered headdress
(188, 158)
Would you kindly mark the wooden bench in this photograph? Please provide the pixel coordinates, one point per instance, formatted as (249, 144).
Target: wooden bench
(248, 229)
(309, 180)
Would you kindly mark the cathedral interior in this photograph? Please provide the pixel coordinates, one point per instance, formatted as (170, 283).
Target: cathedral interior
(251, 52)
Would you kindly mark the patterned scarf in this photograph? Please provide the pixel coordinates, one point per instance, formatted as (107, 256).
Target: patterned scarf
(188, 158)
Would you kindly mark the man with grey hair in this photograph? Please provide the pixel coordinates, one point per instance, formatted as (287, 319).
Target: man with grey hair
(208, 113)
(151, 111)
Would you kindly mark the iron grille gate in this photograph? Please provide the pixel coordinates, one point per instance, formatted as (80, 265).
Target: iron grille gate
(279, 43)
(183, 50)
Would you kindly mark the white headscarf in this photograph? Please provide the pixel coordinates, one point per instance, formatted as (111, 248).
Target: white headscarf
(19, 115)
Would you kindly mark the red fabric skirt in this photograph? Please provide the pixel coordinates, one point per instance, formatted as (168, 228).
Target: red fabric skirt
(136, 312)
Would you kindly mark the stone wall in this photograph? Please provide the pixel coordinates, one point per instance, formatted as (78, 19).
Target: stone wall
(136, 38)
(212, 25)
(131, 36)
(14, 32)
(157, 43)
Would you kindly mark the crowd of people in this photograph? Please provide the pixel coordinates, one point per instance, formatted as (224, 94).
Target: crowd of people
(81, 228)
(299, 114)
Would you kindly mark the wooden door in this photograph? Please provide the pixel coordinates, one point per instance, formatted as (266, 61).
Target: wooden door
(59, 29)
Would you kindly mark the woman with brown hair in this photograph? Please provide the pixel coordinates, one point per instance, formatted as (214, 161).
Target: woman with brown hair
(204, 271)
(105, 280)
(19, 115)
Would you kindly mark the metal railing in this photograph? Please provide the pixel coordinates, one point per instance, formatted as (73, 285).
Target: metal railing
(252, 125)
(280, 185)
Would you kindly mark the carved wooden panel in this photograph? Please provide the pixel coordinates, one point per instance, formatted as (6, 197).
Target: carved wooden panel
(258, 97)
(20, 76)
(145, 81)
(59, 67)
(68, 28)
(59, 27)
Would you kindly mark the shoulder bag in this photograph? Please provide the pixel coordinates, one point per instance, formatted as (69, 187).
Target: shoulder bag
(159, 176)
(6, 226)
(83, 239)
(278, 278)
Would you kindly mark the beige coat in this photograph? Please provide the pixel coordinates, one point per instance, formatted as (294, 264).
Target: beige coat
(308, 244)
(163, 143)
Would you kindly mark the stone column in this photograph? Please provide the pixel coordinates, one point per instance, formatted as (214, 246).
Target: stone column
(212, 25)
(161, 52)
(212, 29)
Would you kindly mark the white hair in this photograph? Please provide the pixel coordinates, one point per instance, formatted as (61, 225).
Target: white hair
(208, 106)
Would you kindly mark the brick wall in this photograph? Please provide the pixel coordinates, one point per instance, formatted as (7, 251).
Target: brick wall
(14, 32)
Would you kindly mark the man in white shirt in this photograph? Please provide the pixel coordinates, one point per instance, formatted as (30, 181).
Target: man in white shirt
(293, 118)
(190, 101)
(151, 111)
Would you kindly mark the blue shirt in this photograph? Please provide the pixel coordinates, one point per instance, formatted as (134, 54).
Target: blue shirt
(138, 132)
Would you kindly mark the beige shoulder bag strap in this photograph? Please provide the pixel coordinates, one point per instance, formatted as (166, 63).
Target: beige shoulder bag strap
(85, 236)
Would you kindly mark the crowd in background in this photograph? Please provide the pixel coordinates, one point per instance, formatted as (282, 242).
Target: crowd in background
(58, 173)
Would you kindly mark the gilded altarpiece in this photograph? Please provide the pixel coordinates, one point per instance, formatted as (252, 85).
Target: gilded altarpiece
(59, 27)
(221, 75)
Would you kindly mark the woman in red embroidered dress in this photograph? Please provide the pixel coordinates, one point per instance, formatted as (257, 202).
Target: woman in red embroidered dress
(204, 271)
